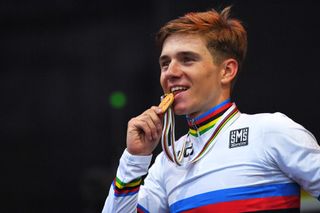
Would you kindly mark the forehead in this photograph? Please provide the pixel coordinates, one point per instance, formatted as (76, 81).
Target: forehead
(184, 43)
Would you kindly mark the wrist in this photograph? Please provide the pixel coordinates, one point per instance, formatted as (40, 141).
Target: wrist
(138, 152)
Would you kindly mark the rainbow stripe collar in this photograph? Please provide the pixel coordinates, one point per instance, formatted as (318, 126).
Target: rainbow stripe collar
(204, 122)
(168, 136)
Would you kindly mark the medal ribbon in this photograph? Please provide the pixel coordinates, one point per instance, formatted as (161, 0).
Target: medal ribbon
(168, 135)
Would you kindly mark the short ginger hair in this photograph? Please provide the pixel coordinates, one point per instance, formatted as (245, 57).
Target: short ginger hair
(225, 36)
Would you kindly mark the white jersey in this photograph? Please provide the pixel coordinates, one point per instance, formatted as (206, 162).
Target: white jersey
(257, 163)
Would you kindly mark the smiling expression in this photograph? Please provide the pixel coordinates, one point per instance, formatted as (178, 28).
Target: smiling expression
(188, 70)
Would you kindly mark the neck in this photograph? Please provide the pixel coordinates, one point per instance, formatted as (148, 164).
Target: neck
(204, 122)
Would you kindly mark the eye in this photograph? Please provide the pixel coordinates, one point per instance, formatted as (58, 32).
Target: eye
(164, 65)
(187, 60)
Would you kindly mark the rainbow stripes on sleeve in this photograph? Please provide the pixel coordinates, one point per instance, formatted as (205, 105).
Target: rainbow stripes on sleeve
(122, 189)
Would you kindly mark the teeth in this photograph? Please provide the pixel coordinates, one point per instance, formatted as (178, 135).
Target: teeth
(173, 89)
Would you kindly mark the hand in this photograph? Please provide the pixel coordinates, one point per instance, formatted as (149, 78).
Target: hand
(144, 132)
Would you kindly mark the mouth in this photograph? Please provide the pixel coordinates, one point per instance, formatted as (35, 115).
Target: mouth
(177, 89)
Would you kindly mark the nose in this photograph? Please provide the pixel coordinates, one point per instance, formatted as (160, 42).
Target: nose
(174, 70)
(172, 75)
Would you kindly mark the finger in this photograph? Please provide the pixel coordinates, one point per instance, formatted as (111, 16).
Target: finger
(143, 129)
(151, 120)
(157, 110)
(156, 116)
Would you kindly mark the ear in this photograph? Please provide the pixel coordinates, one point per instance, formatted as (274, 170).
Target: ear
(229, 71)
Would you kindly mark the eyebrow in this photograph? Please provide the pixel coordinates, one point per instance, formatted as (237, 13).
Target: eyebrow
(163, 58)
(180, 54)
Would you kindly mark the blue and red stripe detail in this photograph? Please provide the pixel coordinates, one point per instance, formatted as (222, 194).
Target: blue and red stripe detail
(209, 115)
(141, 209)
(243, 199)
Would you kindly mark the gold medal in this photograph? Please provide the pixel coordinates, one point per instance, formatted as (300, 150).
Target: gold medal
(166, 102)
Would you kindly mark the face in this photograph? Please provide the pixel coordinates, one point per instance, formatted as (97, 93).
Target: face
(188, 70)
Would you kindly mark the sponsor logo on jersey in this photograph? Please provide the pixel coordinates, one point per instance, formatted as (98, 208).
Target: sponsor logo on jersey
(239, 137)
(188, 151)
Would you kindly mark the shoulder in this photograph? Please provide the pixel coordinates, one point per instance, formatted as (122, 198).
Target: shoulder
(275, 127)
(271, 122)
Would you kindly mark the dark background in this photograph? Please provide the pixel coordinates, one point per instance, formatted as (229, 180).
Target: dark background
(61, 60)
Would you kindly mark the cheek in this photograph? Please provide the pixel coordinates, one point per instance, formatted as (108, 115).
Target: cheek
(212, 77)
(162, 81)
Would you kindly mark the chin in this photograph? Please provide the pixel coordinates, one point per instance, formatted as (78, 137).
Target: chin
(180, 110)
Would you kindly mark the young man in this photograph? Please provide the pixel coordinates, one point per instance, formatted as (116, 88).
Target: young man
(228, 161)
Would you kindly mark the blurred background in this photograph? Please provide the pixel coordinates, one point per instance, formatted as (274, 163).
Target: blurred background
(74, 72)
